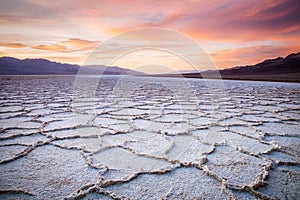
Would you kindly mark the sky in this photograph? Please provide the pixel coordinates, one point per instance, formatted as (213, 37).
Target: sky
(232, 32)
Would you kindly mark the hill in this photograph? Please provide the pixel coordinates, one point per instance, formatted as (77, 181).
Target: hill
(278, 69)
(14, 66)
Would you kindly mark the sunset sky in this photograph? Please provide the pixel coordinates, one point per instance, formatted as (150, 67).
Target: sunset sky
(232, 32)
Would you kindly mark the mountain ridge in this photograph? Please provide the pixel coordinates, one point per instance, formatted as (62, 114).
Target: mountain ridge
(40, 66)
(277, 69)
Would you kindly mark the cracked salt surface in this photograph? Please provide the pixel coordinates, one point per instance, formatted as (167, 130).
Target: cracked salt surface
(148, 138)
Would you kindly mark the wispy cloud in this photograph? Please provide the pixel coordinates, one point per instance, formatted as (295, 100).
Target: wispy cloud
(51, 47)
(70, 45)
(13, 45)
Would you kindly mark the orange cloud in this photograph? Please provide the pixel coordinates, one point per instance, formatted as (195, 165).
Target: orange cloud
(13, 45)
(50, 47)
(79, 44)
(70, 45)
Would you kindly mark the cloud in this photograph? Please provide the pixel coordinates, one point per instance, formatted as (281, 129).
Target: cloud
(69, 45)
(214, 20)
(13, 45)
(51, 47)
(218, 20)
(79, 44)
(237, 20)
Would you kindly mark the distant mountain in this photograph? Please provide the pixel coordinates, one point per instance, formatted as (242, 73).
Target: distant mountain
(287, 65)
(109, 70)
(279, 69)
(14, 66)
(185, 71)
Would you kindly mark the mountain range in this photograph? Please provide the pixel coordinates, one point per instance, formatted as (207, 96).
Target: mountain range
(279, 69)
(14, 66)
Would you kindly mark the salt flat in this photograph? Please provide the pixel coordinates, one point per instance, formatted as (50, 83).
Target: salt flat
(148, 138)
